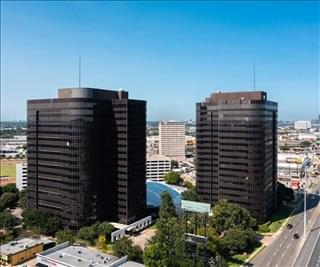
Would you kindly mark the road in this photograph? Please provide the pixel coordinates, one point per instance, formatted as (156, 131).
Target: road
(283, 251)
(314, 260)
(310, 253)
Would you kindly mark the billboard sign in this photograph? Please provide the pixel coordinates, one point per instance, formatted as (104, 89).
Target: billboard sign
(195, 239)
(193, 206)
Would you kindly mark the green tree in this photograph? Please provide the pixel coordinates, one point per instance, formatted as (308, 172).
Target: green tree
(45, 222)
(190, 194)
(7, 220)
(8, 200)
(23, 198)
(124, 246)
(285, 147)
(172, 178)
(237, 240)
(169, 238)
(64, 236)
(174, 164)
(155, 255)
(284, 193)
(227, 215)
(106, 229)
(188, 185)
(88, 234)
(9, 188)
(305, 144)
(167, 208)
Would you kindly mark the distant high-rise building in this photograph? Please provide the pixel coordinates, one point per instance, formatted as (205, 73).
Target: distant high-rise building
(157, 167)
(21, 176)
(172, 139)
(86, 156)
(236, 151)
(302, 125)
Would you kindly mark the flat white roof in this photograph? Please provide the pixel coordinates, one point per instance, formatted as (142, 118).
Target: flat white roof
(14, 247)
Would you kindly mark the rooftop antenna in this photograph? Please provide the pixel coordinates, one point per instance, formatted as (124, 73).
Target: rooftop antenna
(254, 77)
(79, 71)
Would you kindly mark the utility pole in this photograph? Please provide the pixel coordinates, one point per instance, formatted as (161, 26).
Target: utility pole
(304, 167)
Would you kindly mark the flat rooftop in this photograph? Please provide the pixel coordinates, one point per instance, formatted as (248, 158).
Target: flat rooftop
(80, 256)
(14, 247)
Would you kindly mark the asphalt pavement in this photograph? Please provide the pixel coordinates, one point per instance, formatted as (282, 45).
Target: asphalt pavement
(284, 250)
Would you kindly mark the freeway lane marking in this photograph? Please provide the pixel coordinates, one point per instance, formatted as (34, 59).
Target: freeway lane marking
(274, 254)
(288, 246)
(286, 237)
(282, 255)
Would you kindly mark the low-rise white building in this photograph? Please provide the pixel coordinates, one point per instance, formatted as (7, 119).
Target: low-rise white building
(157, 167)
(65, 255)
(302, 125)
(21, 176)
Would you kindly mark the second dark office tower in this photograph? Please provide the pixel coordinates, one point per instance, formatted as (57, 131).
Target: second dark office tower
(237, 151)
(86, 156)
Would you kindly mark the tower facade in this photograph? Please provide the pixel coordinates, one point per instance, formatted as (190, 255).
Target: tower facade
(236, 151)
(86, 156)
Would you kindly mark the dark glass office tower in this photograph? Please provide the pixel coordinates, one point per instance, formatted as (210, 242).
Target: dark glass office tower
(86, 156)
(237, 151)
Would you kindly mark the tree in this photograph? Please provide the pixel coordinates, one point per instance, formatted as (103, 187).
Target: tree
(174, 164)
(172, 178)
(167, 208)
(23, 199)
(284, 193)
(167, 247)
(91, 233)
(105, 229)
(228, 215)
(7, 220)
(45, 222)
(64, 236)
(9, 188)
(237, 240)
(155, 255)
(88, 234)
(285, 147)
(102, 243)
(124, 246)
(305, 144)
(188, 185)
(8, 200)
(190, 194)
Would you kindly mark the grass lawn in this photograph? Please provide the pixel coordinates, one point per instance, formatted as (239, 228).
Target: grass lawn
(239, 259)
(278, 218)
(8, 169)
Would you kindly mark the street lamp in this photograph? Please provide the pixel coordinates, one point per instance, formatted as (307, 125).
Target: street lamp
(306, 163)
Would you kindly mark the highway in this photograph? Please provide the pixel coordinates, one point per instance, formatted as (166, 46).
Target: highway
(284, 250)
(310, 253)
(314, 260)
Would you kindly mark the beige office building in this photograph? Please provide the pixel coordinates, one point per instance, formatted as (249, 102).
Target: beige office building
(157, 167)
(172, 139)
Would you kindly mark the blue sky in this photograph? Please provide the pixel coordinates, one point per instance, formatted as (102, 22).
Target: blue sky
(172, 54)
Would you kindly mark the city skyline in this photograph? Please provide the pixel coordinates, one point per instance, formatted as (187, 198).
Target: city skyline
(161, 52)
